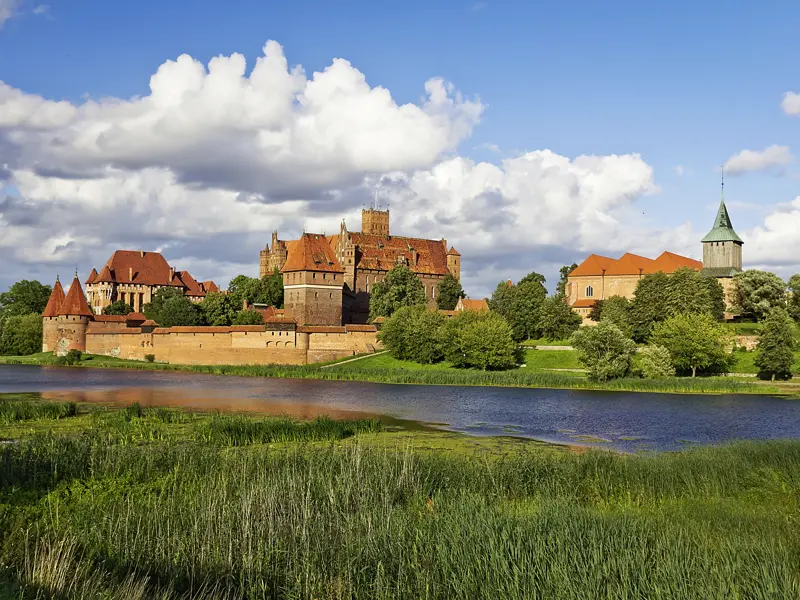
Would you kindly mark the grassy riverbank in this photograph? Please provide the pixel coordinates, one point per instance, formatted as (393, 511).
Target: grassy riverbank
(539, 372)
(90, 513)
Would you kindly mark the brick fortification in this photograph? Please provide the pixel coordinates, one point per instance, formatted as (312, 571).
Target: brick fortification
(355, 261)
(68, 323)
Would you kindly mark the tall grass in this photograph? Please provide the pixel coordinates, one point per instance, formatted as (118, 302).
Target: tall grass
(328, 521)
(232, 430)
(17, 410)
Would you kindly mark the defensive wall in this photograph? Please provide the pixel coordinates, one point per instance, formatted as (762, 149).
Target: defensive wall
(235, 345)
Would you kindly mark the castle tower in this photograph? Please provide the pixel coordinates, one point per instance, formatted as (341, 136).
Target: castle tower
(312, 282)
(50, 318)
(263, 261)
(722, 247)
(72, 320)
(375, 222)
(347, 256)
(454, 262)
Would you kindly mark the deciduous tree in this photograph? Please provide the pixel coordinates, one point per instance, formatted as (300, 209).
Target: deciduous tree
(170, 308)
(248, 317)
(218, 309)
(21, 335)
(479, 340)
(654, 362)
(448, 292)
(775, 352)
(401, 287)
(793, 300)
(616, 310)
(24, 297)
(755, 293)
(520, 305)
(696, 342)
(604, 350)
(118, 307)
(557, 321)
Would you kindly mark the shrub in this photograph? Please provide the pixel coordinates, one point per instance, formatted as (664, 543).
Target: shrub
(480, 340)
(604, 350)
(248, 317)
(21, 335)
(73, 357)
(150, 357)
(654, 362)
(412, 333)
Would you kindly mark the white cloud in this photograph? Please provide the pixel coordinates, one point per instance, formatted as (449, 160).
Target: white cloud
(7, 10)
(679, 170)
(42, 9)
(759, 160)
(791, 103)
(274, 132)
(775, 242)
(207, 164)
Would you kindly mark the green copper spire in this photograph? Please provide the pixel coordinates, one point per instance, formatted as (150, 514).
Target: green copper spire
(723, 229)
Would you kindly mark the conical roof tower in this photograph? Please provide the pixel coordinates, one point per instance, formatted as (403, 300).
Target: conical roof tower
(722, 246)
(75, 304)
(722, 231)
(55, 301)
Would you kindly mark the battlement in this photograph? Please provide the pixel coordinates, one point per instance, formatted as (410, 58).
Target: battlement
(375, 222)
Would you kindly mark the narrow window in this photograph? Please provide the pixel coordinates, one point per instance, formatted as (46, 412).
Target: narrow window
(589, 291)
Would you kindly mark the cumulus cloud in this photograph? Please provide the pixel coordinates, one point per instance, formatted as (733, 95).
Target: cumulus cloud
(274, 132)
(759, 160)
(213, 159)
(791, 103)
(774, 243)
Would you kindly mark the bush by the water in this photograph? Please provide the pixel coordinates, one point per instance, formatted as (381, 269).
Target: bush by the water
(604, 350)
(471, 339)
(96, 520)
(775, 353)
(653, 362)
(696, 342)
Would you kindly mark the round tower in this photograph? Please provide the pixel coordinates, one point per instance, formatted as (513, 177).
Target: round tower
(72, 320)
(50, 318)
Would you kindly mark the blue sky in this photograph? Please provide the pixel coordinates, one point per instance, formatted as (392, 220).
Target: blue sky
(686, 85)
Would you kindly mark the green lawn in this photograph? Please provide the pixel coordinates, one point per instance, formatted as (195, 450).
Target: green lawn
(744, 363)
(156, 503)
(545, 342)
(534, 360)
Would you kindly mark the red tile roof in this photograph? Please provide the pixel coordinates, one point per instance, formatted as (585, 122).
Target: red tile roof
(110, 318)
(584, 303)
(312, 252)
(137, 266)
(365, 328)
(192, 287)
(381, 252)
(75, 304)
(55, 301)
(453, 252)
(209, 287)
(633, 264)
(478, 305)
(92, 277)
(593, 265)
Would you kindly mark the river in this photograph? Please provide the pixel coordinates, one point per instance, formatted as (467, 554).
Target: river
(622, 420)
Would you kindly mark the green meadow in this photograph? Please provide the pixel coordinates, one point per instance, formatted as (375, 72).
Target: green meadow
(98, 502)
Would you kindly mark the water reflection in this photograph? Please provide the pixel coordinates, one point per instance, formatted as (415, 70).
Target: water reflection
(625, 421)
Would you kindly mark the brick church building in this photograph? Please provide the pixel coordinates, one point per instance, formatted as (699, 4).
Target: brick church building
(327, 279)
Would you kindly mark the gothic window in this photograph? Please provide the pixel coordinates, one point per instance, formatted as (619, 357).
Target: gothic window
(589, 291)
(324, 275)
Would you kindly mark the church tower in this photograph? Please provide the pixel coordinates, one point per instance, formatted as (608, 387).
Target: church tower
(722, 247)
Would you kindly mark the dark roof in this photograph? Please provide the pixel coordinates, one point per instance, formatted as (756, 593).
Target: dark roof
(75, 304)
(312, 252)
(723, 229)
(55, 301)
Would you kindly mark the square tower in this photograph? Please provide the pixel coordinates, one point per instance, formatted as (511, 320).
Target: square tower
(375, 222)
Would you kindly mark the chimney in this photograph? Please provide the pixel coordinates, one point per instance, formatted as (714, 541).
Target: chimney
(130, 273)
(141, 252)
(171, 274)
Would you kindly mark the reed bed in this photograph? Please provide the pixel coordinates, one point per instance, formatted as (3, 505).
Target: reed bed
(14, 410)
(353, 521)
(233, 430)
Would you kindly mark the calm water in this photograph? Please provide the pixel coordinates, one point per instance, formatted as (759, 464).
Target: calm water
(627, 421)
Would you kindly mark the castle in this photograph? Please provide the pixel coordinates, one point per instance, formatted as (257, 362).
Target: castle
(327, 279)
(134, 277)
(599, 277)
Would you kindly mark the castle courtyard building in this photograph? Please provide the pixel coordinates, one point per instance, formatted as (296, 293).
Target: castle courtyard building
(365, 258)
(134, 276)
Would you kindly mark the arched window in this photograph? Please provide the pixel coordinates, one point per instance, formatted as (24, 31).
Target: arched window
(589, 291)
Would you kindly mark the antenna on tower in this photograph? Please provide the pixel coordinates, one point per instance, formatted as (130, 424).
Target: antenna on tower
(723, 181)
(375, 201)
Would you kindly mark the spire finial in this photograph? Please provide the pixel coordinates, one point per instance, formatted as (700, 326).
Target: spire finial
(723, 182)
(56, 277)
